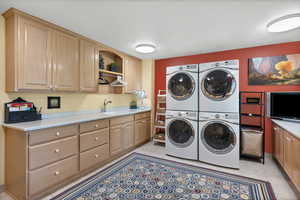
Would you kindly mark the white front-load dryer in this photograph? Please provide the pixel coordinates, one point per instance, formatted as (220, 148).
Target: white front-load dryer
(182, 88)
(219, 86)
(219, 139)
(182, 134)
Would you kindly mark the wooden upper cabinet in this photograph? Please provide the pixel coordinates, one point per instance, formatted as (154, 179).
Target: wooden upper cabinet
(88, 66)
(133, 74)
(28, 59)
(43, 56)
(66, 62)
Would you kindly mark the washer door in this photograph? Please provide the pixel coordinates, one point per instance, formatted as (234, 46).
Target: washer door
(218, 84)
(180, 133)
(181, 86)
(218, 137)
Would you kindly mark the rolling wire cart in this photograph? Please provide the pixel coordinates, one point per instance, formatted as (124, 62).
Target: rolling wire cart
(252, 125)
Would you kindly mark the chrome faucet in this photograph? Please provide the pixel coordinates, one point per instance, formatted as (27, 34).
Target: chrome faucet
(105, 104)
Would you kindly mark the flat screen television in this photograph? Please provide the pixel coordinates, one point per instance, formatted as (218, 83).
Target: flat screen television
(284, 105)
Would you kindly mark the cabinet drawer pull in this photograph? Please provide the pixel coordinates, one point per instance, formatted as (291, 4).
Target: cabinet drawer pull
(96, 125)
(96, 138)
(250, 114)
(56, 173)
(57, 134)
(56, 150)
(96, 155)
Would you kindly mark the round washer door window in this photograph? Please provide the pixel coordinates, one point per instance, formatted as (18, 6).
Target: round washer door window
(218, 137)
(218, 84)
(181, 86)
(181, 133)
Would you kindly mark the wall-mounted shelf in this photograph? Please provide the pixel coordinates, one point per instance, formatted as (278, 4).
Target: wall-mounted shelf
(109, 57)
(110, 72)
(159, 124)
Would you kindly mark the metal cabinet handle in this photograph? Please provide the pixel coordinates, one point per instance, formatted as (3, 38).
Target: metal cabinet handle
(96, 125)
(96, 138)
(57, 134)
(56, 150)
(56, 173)
(96, 155)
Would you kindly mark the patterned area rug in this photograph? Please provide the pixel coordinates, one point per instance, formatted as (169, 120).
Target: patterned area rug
(144, 177)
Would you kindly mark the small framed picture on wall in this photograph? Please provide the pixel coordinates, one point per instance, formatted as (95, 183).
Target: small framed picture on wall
(53, 102)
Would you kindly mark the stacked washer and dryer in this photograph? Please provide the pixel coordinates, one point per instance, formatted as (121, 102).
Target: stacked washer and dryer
(219, 134)
(182, 108)
(202, 118)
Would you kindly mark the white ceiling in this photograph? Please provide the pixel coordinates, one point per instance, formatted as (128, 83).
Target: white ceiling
(178, 27)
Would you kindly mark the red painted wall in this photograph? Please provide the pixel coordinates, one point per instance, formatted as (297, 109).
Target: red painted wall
(242, 55)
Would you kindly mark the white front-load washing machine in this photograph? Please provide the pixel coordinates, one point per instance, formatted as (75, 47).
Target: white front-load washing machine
(219, 86)
(182, 87)
(182, 134)
(219, 139)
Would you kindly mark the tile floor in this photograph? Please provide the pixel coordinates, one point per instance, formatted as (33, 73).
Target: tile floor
(268, 172)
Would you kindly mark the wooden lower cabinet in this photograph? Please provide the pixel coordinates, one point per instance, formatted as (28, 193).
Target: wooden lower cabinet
(115, 138)
(286, 150)
(121, 137)
(278, 144)
(48, 159)
(128, 135)
(92, 157)
(48, 176)
(142, 131)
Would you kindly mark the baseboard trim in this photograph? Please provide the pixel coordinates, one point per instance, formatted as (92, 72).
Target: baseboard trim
(2, 188)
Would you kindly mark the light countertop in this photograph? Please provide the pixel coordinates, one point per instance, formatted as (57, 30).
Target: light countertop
(292, 127)
(62, 119)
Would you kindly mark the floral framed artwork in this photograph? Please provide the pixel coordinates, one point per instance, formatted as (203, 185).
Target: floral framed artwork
(274, 70)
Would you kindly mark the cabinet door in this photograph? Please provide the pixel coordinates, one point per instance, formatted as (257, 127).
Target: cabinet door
(88, 67)
(278, 144)
(133, 74)
(142, 130)
(66, 62)
(34, 69)
(297, 163)
(115, 138)
(128, 135)
(139, 131)
(148, 130)
(288, 154)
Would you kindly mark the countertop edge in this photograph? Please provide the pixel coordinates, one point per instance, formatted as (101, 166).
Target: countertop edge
(37, 127)
(290, 130)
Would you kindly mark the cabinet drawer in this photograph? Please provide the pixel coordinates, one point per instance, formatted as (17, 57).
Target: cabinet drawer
(254, 109)
(94, 125)
(94, 139)
(50, 175)
(50, 134)
(44, 154)
(94, 156)
(142, 115)
(121, 120)
(245, 96)
(251, 120)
